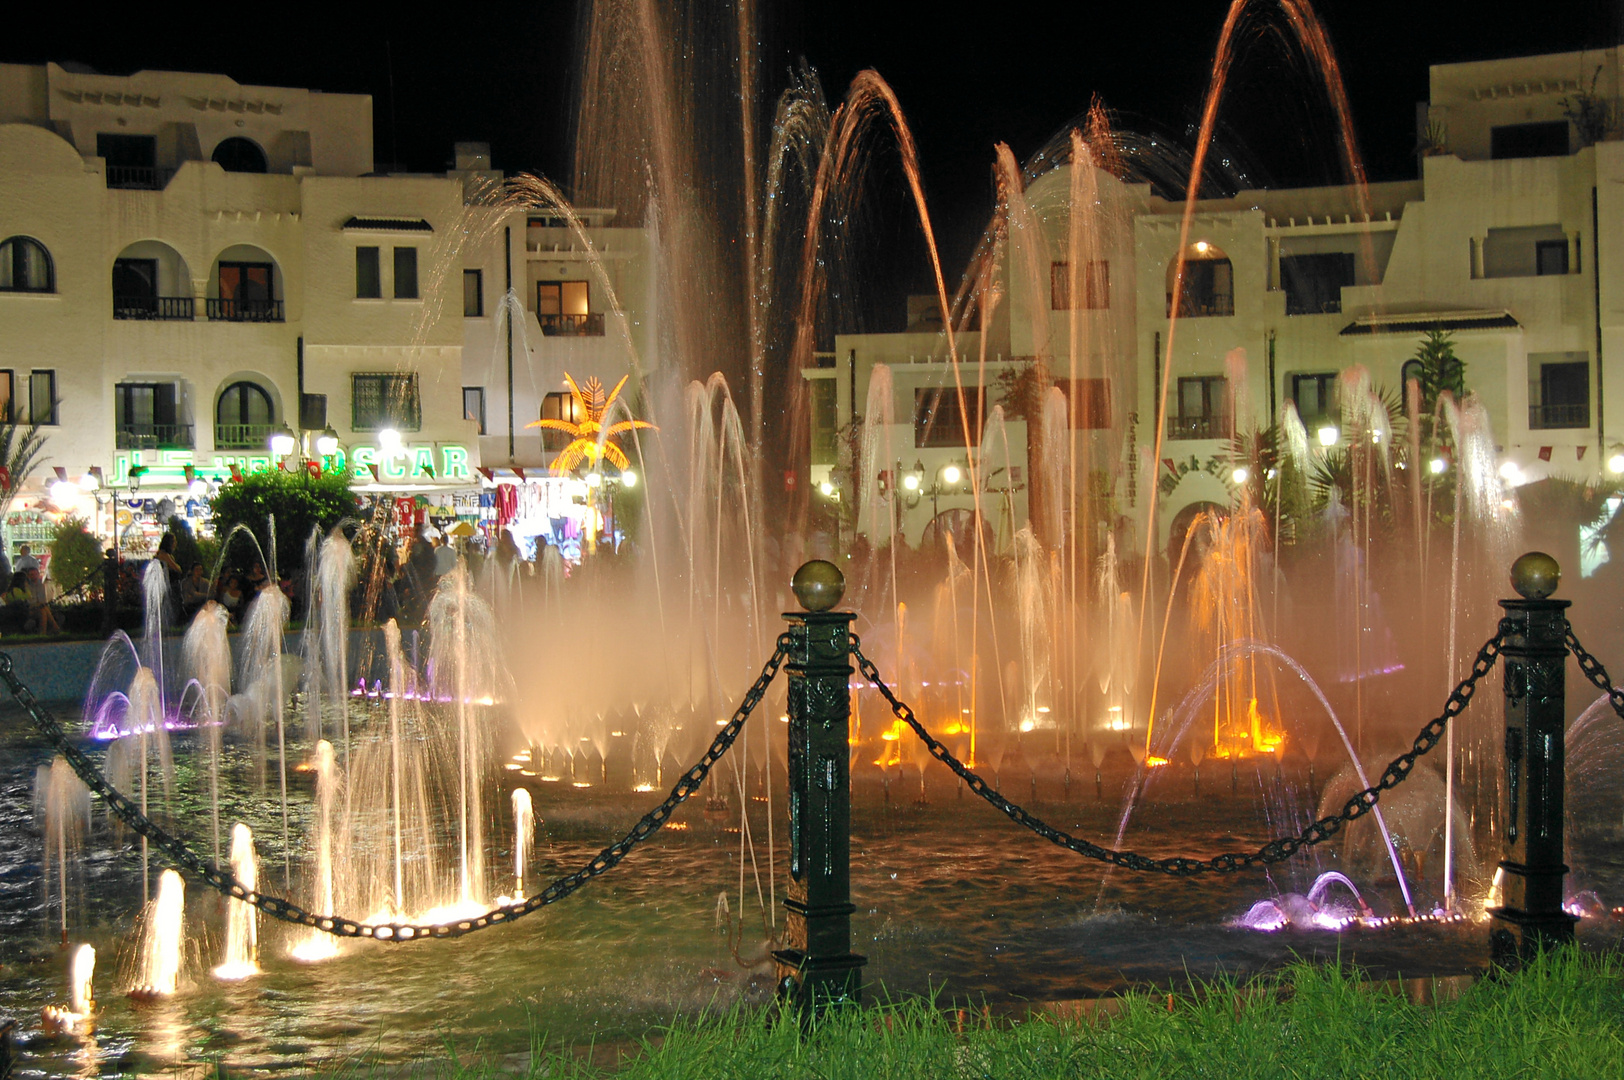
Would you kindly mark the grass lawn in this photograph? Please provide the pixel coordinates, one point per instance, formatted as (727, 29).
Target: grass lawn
(1562, 1017)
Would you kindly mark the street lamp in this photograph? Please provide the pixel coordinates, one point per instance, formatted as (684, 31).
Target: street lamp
(327, 442)
(389, 441)
(1328, 435)
(628, 478)
(282, 441)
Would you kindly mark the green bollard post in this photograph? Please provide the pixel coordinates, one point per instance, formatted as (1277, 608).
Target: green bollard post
(1530, 916)
(817, 968)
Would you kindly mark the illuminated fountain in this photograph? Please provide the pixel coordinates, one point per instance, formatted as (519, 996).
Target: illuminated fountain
(241, 956)
(163, 940)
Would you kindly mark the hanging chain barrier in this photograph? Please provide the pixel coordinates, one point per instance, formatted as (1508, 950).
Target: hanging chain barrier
(1595, 672)
(207, 872)
(1276, 850)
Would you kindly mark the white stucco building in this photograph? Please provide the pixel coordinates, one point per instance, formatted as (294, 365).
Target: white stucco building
(1512, 239)
(189, 265)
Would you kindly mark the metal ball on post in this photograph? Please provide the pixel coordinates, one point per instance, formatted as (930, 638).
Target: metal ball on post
(817, 968)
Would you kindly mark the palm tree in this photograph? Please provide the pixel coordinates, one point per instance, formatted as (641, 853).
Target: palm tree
(590, 440)
(20, 448)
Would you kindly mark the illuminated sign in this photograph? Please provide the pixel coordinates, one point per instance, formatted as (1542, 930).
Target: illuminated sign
(413, 462)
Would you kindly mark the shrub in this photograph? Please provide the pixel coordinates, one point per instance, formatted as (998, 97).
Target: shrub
(298, 501)
(75, 556)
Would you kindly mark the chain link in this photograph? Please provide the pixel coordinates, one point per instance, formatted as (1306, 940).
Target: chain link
(207, 872)
(1594, 671)
(1276, 850)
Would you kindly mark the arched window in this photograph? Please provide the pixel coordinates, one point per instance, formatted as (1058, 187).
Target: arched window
(237, 154)
(243, 418)
(1412, 369)
(25, 266)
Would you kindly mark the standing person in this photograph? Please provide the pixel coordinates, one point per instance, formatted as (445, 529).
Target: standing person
(419, 575)
(39, 605)
(445, 556)
(25, 560)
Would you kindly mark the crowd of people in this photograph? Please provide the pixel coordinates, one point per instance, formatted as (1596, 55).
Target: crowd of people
(395, 579)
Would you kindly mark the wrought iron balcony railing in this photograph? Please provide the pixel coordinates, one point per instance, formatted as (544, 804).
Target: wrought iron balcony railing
(1542, 417)
(1198, 427)
(137, 177)
(572, 325)
(222, 309)
(242, 436)
(154, 436)
(154, 307)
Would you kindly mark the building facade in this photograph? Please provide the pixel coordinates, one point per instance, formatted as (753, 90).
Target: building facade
(1511, 240)
(190, 266)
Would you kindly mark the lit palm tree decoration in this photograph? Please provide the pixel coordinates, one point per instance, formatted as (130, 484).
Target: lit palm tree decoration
(590, 439)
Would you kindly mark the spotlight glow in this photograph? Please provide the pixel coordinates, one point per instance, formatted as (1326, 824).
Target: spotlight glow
(1328, 435)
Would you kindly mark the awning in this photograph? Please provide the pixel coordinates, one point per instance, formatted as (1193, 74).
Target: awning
(379, 224)
(1412, 322)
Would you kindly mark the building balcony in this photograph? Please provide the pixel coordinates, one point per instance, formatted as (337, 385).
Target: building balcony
(243, 436)
(157, 308)
(1198, 427)
(1550, 417)
(222, 309)
(154, 437)
(1201, 307)
(137, 177)
(572, 325)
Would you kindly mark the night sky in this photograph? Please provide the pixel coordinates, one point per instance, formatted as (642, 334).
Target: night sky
(505, 73)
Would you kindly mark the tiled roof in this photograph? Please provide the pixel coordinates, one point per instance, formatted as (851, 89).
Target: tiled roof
(388, 224)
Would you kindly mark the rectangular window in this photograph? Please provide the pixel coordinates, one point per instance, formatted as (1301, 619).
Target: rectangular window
(247, 294)
(939, 421)
(132, 160)
(368, 274)
(7, 387)
(1315, 397)
(1313, 283)
(1545, 139)
(1558, 391)
(1550, 257)
(148, 417)
(473, 293)
(825, 422)
(42, 397)
(1094, 281)
(559, 406)
(1203, 408)
(1088, 402)
(405, 273)
(564, 309)
(385, 400)
(473, 405)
